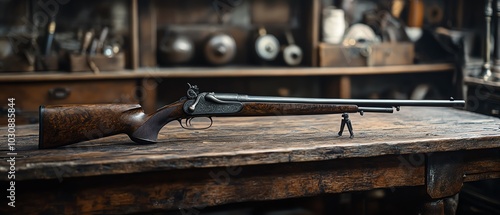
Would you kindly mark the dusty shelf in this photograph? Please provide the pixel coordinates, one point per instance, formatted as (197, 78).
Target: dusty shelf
(215, 72)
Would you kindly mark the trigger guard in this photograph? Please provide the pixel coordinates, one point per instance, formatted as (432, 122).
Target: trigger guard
(188, 126)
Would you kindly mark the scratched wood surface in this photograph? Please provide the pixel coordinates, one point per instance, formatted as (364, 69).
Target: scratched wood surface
(248, 159)
(261, 140)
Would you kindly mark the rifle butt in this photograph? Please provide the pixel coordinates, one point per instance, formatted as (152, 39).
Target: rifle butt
(62, 125)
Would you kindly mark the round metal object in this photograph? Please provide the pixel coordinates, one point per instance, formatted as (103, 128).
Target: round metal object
(177, 49)
(360, 33)
(434, 13)
(267, 47)
(108, 51)
(220, 49)
(292, 55)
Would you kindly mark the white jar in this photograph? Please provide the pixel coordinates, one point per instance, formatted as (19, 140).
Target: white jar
(333, 25)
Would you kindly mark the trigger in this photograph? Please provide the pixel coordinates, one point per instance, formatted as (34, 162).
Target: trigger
(188, 122)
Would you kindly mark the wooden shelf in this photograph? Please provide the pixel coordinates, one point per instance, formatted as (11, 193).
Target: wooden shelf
(234, 72)
(302, 71)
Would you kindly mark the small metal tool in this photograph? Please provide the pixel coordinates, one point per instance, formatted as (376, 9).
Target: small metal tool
(87, 39)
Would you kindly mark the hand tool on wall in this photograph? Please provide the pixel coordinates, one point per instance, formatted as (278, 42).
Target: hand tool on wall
(86, 40)
(50, 37)
(102, 39)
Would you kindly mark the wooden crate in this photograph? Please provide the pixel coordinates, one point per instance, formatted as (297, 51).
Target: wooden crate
(383, 54)
(82, 63)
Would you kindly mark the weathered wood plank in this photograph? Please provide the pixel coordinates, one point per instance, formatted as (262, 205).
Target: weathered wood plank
(202, 187)
(199, 188)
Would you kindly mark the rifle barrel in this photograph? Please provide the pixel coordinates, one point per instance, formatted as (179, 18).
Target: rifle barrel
(376, 109)
(359, 102)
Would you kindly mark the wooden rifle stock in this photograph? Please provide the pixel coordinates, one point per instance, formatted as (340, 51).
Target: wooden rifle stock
(62, 125)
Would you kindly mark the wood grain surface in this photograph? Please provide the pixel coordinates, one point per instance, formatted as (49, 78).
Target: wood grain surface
(248, 159)
(65, 124)
(262, 140)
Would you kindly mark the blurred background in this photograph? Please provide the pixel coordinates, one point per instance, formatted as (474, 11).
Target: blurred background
(131, 51)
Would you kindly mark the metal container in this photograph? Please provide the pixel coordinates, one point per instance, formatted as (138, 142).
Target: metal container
(292, 54)
(267, 46)
(176, 49)
(220, 49)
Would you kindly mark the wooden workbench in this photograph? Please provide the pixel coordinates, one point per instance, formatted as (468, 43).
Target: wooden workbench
(257, 158)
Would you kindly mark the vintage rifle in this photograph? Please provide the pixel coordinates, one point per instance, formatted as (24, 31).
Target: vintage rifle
(67, 124)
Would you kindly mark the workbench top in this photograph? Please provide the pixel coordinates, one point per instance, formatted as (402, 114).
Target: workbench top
(240, 141)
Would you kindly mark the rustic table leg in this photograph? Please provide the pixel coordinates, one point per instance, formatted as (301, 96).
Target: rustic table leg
(446, 206)
(444, 179)
(435, 207)
(451, 205)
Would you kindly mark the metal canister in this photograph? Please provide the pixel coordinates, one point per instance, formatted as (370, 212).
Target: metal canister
(220, 49)
(267, 46)
(292, 54)
(176, 49)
